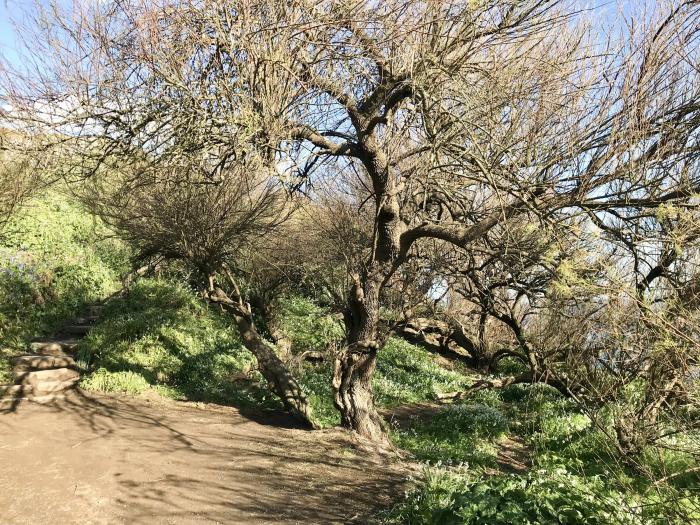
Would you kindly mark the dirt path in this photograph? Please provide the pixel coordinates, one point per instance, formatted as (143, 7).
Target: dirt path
(105, 459)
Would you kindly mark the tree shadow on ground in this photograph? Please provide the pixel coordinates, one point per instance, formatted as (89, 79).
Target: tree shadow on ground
(180, 462)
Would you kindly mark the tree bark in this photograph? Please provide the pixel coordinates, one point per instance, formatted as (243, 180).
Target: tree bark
(440, 337)
(354, 398)
(354, 367)
(280, 338)
(273, 369)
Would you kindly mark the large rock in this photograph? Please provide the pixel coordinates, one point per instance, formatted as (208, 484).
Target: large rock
(56, 375)
(26, 363)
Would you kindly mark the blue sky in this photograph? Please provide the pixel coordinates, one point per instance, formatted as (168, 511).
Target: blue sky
(7, 39)
(11, 10)
(16, 9)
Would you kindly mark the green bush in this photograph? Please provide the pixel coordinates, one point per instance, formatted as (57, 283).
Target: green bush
(54, 259)
(161, 336)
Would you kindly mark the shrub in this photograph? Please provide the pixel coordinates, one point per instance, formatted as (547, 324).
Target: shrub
(160, 335)
(55, 258)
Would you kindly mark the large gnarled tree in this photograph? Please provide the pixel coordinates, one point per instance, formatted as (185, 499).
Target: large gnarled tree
(439, 121)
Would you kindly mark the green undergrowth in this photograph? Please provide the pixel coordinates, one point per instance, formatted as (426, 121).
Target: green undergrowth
(462, 496)
(406, 374)
(459, 433)
(54, 259)
(6, 375)
(574, 476)
(310, 326)
(160, 336)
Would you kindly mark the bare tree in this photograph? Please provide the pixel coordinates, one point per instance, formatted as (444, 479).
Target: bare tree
(438, 121)
(211, 226)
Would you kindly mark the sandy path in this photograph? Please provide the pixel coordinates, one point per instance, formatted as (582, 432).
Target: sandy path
(106, 459)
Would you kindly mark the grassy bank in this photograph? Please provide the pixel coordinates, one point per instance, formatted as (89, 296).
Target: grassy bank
(54, 259)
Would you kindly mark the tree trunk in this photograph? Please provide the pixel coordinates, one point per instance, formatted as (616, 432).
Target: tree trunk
(354, 398)
(354, 367)
(282, 341)
(273, 369)
(352, 378)
(440, 337)
(273, 324)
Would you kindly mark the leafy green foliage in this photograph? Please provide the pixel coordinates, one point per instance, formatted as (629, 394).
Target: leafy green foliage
(575, 479)
(6, 375)
(543, 496)
(161, 336)
(315, 379)
(407, 373)
(126, 381)
(309, 326)
(54, 259)
(455, 434)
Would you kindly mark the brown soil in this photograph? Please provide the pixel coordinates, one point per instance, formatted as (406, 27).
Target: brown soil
(514, 456)
(105, 459)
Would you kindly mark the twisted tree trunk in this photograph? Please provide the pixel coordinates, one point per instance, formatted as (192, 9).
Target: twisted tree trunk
(273, 369)
(273, 326)
(352, 384)
(354, 367)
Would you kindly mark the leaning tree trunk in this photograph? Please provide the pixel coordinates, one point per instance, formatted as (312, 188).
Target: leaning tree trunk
(273, 324)
(273, 369)
(354, 367)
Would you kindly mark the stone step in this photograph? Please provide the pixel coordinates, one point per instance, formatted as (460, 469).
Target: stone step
(77, 329)
(39, 377)
(47, 398)
(9, 403)
(94, 310)
(26, 363)
(87, 320)
(51, 387)
(13, 395)
(13, 391)
(54, 347)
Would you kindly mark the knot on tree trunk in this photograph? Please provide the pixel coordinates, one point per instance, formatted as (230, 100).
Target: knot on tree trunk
(366, 346)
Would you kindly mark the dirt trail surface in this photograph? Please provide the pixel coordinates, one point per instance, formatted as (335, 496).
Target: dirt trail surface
(106, 459)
